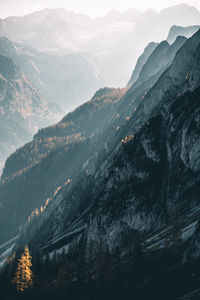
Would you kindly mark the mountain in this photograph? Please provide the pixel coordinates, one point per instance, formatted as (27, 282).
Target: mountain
(141, 61)
(52, 33)
(22, 109)
(175, 37)
(138, 168)
(60, 78)
(113, 41)
(31, 160)
(181, 31)
(108, 198)
(75, 55)
(54, 29)
(159, 60)
(46, 30)
(81, 124)
(138, 181)
(121, 195)
(64, 142)
(124, 50)
(174, 82)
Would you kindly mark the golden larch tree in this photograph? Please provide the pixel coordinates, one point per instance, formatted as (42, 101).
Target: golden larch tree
(24, 274)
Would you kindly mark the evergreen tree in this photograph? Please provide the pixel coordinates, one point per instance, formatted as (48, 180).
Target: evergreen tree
(24, 275)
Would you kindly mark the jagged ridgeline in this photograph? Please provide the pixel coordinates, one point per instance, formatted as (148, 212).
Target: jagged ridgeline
(108, 198)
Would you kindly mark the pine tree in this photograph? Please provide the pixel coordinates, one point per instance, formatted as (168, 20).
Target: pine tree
(24, 275)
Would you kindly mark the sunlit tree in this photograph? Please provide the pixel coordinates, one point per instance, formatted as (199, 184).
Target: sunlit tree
(24, 275)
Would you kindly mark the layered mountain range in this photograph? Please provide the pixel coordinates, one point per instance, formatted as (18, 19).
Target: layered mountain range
(113, 188)
(65, 32)
(56, 76)
(144, 166)
(22, 109)
(66, 56)
(77, 127)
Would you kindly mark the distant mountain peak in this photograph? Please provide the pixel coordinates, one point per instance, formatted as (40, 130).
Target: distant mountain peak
(181, 31)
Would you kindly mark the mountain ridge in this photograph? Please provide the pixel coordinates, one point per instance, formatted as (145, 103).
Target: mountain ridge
(107, 199)
(142, 104)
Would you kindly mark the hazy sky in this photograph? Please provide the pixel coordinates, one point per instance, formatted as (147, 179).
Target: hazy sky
(91, 7)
